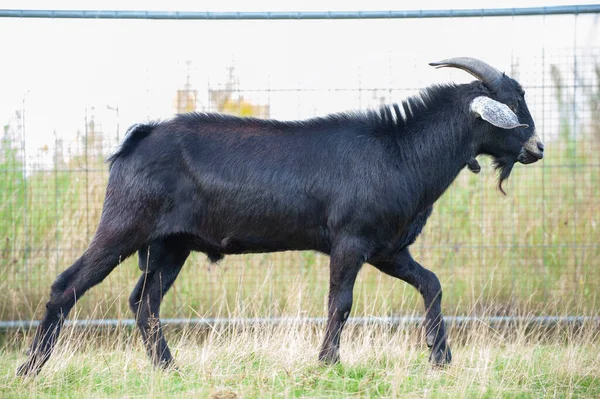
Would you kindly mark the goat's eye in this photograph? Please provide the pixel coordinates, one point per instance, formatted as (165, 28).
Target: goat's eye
(513, 108)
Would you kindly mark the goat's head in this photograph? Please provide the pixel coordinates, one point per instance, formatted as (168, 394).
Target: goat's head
(505, 129)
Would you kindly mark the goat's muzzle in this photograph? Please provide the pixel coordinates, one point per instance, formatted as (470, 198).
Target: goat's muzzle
(532, 151)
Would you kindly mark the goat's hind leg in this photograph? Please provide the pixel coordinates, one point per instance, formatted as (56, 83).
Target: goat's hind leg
(105, 252)
(160, 262)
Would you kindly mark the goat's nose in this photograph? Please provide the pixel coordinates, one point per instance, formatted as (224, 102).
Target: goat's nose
(540, 146)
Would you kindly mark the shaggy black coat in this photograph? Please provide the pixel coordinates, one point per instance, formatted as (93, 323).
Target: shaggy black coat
(248, 185)
(357, 186)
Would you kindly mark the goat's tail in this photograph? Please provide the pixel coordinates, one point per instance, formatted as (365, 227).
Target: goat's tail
(134, 135)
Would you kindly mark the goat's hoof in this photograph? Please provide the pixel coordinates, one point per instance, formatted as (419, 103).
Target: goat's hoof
(165, 365)
(27, 369)
(329, 358)
(172, 368)
(440, 356)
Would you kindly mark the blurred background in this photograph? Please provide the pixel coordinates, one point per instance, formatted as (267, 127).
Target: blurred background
(70, 88)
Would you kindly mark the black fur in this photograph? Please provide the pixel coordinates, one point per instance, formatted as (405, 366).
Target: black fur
(357, 186)
(132, 136)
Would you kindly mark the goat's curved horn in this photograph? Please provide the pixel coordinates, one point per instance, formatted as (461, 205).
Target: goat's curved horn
(481, 70)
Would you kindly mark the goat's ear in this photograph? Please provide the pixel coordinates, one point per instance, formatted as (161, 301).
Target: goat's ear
(495, 112)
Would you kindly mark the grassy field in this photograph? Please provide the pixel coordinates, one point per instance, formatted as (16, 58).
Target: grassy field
(281, 361)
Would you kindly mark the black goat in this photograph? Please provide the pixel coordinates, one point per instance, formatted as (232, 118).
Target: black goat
(357, 186)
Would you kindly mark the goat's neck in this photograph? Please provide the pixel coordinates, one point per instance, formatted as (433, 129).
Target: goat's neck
(436, 151)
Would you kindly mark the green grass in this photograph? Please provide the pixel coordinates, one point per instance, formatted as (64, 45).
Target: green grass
(258, 362)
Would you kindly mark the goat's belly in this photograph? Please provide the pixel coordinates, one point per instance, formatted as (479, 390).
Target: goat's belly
(313, 239)
(232, 245)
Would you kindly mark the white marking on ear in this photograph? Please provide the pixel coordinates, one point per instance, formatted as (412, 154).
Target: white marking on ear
(495, 112)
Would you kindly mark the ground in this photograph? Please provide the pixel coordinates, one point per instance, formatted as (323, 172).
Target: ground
(377, 361)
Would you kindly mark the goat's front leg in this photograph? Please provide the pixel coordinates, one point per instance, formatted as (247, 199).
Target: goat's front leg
(346, 260)
(404, 267)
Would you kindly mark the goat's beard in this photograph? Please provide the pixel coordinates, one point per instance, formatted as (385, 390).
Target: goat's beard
(505, 166)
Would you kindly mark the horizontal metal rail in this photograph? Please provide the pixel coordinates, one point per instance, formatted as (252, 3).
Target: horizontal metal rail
(402, 322)
(298, 15)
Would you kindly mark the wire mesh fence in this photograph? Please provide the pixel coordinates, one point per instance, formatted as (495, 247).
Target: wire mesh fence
(72, 92)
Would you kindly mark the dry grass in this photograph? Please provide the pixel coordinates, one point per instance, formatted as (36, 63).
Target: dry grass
(281, 361)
